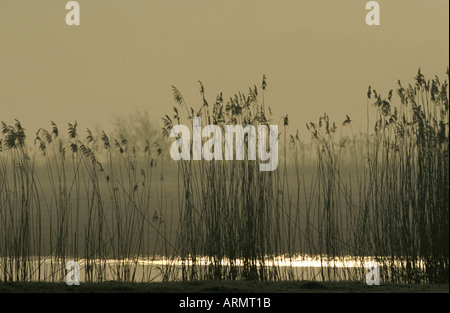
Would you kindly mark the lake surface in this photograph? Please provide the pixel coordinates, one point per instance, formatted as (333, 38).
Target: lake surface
(159, 269)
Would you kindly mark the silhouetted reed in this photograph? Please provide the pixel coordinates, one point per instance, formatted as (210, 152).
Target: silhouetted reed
(331, 205)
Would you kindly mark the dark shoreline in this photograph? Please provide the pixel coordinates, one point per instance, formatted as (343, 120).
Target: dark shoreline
(220, 287)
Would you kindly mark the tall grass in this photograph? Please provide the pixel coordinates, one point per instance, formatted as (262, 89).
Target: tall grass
(341, 199)
(400, 212)
(380, 195)
(227, 208)
(86, 200)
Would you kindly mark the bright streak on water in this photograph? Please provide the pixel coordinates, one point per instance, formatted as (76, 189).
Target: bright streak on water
(154, 268)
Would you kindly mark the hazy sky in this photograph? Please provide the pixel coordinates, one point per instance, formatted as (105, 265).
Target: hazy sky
(319, 56)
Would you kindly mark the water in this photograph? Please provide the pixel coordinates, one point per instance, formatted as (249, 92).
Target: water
(158, 269)
(141, 235)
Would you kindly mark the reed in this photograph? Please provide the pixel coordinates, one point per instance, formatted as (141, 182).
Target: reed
(125, 212)
(70, 198)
